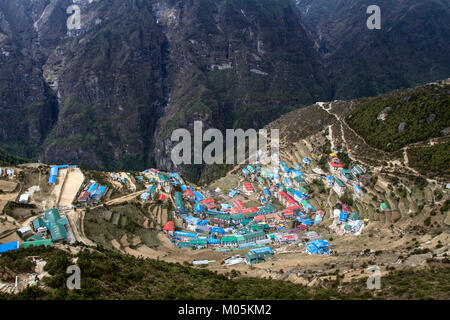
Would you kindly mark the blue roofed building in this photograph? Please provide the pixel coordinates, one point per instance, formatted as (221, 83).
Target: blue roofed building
(9, 246)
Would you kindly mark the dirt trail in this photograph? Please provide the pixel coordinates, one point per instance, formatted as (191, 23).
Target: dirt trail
(124, 198)
(74, 181)
(405, 149)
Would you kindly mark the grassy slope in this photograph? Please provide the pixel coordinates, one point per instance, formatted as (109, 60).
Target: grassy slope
(107, 275)
(9, 160)
(412, 106)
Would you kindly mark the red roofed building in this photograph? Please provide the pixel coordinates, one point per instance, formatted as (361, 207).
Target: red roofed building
(162, 197)
(296, 208)
(169, 228)
(287, 213)
(335, 166)
(286, 199)
(84, 196)
(188, 193)
(235, 210)
(249, 210)
(248, 187)
(239, 204)
(209, 203)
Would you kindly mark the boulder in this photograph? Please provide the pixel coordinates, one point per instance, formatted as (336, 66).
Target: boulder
(402, 126)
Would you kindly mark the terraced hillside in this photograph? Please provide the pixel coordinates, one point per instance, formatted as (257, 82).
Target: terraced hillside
(410, 178)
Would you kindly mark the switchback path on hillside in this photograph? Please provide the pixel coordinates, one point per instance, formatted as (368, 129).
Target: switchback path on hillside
(405, 164)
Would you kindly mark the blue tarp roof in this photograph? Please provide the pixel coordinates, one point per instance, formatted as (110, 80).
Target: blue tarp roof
(186, 234)
(298, 173)
(92, 187)
(300, 194)
(232, 193)
(202, 229)
(318, 246)
(218, 230)
(54, 171)
(198, 208)
(262, 250)
(98, 192)
(246, 245)
(343, 216)
(198, 196)
(52, 179)
(213, 241)
(193, 220)
(9, 246)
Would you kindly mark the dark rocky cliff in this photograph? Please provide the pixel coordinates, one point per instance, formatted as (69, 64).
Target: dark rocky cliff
(110, 94)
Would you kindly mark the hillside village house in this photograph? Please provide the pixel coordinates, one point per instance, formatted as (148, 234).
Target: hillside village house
(286, 199)
(247, 187)
(164, 181)
(189, 194)
(357, 171)
(345, 175)
(339, 187)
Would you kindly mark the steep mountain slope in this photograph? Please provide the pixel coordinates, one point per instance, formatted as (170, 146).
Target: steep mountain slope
(410, 49)
(109, 95)
(28, 107)
(220, 61)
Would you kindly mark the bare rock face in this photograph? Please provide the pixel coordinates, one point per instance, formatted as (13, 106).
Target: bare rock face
(108, 95)
(384, 113)
(446, 131)
(402, 126)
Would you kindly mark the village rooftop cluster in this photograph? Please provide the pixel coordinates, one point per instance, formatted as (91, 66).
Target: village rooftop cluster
(270, 207)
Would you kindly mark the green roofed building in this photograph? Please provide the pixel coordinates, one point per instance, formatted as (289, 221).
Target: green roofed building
(253, 257)
(302, 189)
(353, 216)
(240, 238)
(251, 215)
(46, 242)
(229, 241)
(151, 190)
(225, 217)
(198, 242)
(55, 224)
(163, 177)
(236, 218)
(298, 181)
(339, 182)
(38, 223)
(268, 208)
(52, 215)
(271, 236)
(384, 206)
(259, 227)
(253, 236)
